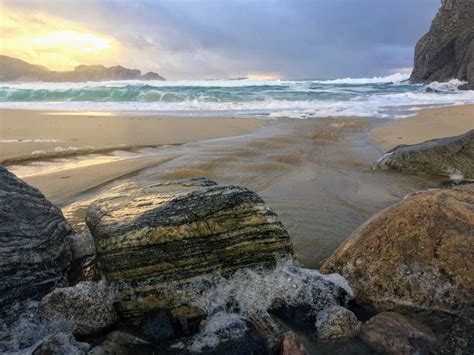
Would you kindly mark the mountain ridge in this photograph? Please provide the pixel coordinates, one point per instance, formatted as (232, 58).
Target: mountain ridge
(14, 69)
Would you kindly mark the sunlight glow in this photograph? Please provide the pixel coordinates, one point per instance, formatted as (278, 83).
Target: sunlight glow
(53, 42)
(263, 76)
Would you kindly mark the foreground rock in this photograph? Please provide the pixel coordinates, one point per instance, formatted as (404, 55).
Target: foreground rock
(417, 255)
(443, 157)
(88, 305)
(460, 338)
(34, 253)
(61, 343)
(392, 333)
(155, 241)
(336, 323)
(447, 50)
(291, 345)
(119, 342)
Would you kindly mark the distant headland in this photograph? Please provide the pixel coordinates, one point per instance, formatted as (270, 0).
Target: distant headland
(13, 69)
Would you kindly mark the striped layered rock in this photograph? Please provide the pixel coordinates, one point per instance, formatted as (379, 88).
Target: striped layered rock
(154, 242)
(34, 253)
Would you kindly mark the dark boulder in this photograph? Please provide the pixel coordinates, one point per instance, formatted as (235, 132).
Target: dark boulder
(34, 252)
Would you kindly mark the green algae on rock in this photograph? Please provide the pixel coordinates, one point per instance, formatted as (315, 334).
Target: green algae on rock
(154, 241)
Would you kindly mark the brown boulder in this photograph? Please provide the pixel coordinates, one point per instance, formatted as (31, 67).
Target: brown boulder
(417, 255)
(392, 333)
(291, 345)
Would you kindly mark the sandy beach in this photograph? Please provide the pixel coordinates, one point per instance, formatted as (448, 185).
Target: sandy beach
(32, 134)
(315, 173)
(427, 124)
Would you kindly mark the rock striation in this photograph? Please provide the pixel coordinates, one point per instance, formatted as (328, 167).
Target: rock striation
(444, 157)
(414, 256)
(34, 252)
(12, 69)
(155, 241)
(447, 50)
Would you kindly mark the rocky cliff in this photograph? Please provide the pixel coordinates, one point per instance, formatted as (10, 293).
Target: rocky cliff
(12, 69)
(447, 50)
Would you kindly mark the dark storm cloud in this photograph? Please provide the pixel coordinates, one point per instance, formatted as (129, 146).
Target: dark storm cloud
(225, 38)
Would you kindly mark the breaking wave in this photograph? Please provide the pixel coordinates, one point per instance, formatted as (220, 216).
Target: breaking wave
(390, 96)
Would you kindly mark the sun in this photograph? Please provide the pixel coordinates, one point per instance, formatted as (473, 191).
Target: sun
(53, 42)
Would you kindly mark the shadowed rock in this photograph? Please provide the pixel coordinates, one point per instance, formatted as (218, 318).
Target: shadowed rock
(61, 343)
(393, 333)
(336, 323)
(443, 157)
(417, 255)
(88, 305)
(460, 338)
(447, 50)
(34, 253)
(155, 240)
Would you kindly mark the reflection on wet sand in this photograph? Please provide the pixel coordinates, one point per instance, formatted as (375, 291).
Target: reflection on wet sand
(316, 174)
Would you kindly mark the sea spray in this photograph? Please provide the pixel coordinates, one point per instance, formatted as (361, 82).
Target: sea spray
(228, 303)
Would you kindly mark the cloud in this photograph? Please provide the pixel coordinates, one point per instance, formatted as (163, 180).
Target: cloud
(53, 42)
(230, 38)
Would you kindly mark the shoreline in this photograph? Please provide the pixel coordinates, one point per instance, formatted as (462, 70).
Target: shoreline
(316, 174)
(34, 135)
(427, 124)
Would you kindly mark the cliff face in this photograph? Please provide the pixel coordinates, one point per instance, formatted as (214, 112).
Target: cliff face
(12, 69)
(447, 50)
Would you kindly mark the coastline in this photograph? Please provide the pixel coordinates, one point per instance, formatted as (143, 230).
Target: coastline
(29, 135)
(315, 173)
(426, 125)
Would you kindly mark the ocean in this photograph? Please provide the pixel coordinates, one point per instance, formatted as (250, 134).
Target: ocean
(384, 97)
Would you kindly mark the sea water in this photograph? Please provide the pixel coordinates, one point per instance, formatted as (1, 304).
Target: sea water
(386, 97)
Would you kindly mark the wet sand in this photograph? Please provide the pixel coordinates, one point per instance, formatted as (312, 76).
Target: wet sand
(31, 134)
(427, 124)
(316, 174)
(63, 185)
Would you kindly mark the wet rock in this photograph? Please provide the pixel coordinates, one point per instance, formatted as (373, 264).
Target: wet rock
(291, 345)
(336, 323)
(154, 241)
(311, 293)
(223, 333)
(61, 344)
(453, 156)
(157, 326)
(393, 333)
(415, 256)
(34, 253)
(84, 264)
(269, 330)
(460, 338)
(88, 305)
(447, 50)
(123, 343)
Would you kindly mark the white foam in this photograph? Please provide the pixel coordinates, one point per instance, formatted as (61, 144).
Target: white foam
(394, 78)
(46, 140)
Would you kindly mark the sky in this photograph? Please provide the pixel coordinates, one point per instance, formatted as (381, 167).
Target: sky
(206, 39)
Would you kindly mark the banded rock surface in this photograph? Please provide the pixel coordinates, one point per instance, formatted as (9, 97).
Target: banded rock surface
(417, 255)
(34, 252)
(154, 241)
